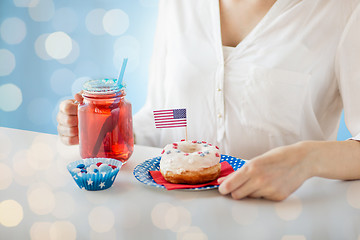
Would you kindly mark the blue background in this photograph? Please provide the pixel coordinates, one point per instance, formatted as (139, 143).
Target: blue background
(33, 80)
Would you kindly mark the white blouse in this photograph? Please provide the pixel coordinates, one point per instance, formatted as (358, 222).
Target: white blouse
(287, 81)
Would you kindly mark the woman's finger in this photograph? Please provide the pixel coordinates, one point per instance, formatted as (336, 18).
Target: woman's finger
(67, 120)
(245, 190)
(233, 181)
(78, 97)
(260, 193)
(68, 107)
(67, 131)
(70, 140)
(220, 180)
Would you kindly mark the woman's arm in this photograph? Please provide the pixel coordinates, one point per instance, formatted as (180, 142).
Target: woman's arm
(279, 172)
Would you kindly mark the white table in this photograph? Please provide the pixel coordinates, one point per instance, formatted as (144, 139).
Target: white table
(40, 200)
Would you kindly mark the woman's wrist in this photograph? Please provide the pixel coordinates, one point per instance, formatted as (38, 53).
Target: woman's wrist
(308, 153)
(313, 157)
(331, 159)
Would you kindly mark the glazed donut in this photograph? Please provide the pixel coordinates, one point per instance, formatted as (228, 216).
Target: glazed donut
(190, 162)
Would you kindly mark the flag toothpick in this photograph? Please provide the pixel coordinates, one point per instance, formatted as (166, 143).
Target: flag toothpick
(171, 118)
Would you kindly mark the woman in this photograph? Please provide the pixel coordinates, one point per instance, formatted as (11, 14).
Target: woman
(264, 80)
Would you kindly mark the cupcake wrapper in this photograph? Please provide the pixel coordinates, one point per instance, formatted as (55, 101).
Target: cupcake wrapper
(94, 181)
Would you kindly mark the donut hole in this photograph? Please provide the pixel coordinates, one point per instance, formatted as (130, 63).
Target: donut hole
(189, 148)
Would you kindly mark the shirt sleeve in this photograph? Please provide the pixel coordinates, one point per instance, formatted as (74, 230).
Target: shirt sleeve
(348, 73)
(144, 126)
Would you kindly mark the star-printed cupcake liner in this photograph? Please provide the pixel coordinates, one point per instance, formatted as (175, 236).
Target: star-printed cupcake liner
(94, 174)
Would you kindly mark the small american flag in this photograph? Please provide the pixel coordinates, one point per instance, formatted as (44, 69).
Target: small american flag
(170, 118)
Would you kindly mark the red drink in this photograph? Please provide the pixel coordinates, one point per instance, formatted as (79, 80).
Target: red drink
(105, 121)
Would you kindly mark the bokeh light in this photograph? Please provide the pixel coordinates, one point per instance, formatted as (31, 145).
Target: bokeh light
(37, 108)
(130, 215)
(40, 156)
(64, 205)
(11, 213)
(127, 47)
(59, 176)
(42, 11)
(93, 21)
(73, 55)
(6, 176)
(115, 22)
(13, 30)
(7, 62)
(244, 214)
(58, 45)
(149, 3)
(110, 235)
(62, 230)
(289, 209)
(127, 41)
(41, 199)
(65, 20)
(353, 194)
(5, 146)
(61, 81)
(23, 172)
(26, 3)
(40, 231)
(66, 153)
(192, 233)
(96, 199)
(158, 214)
(10, 97)
(78, 85)
(101, 219)
(40, 47)
(177, 219)
(21, 165)
(87, 68)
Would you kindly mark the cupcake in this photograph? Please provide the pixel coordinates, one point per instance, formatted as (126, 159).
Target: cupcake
(94, 173)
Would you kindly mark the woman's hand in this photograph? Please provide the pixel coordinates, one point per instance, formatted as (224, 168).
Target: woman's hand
(279, 172)
(273, 175)
(68, 120)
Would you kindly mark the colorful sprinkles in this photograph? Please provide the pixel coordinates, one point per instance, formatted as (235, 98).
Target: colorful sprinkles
(93, 168)
(204, 144)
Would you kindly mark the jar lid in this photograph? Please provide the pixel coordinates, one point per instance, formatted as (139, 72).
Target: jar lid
(102, 86)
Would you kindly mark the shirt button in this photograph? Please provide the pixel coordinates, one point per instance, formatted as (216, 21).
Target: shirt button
(219, 115)
(219, 89)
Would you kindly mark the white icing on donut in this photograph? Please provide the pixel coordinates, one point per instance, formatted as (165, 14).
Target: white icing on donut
(183, 156)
